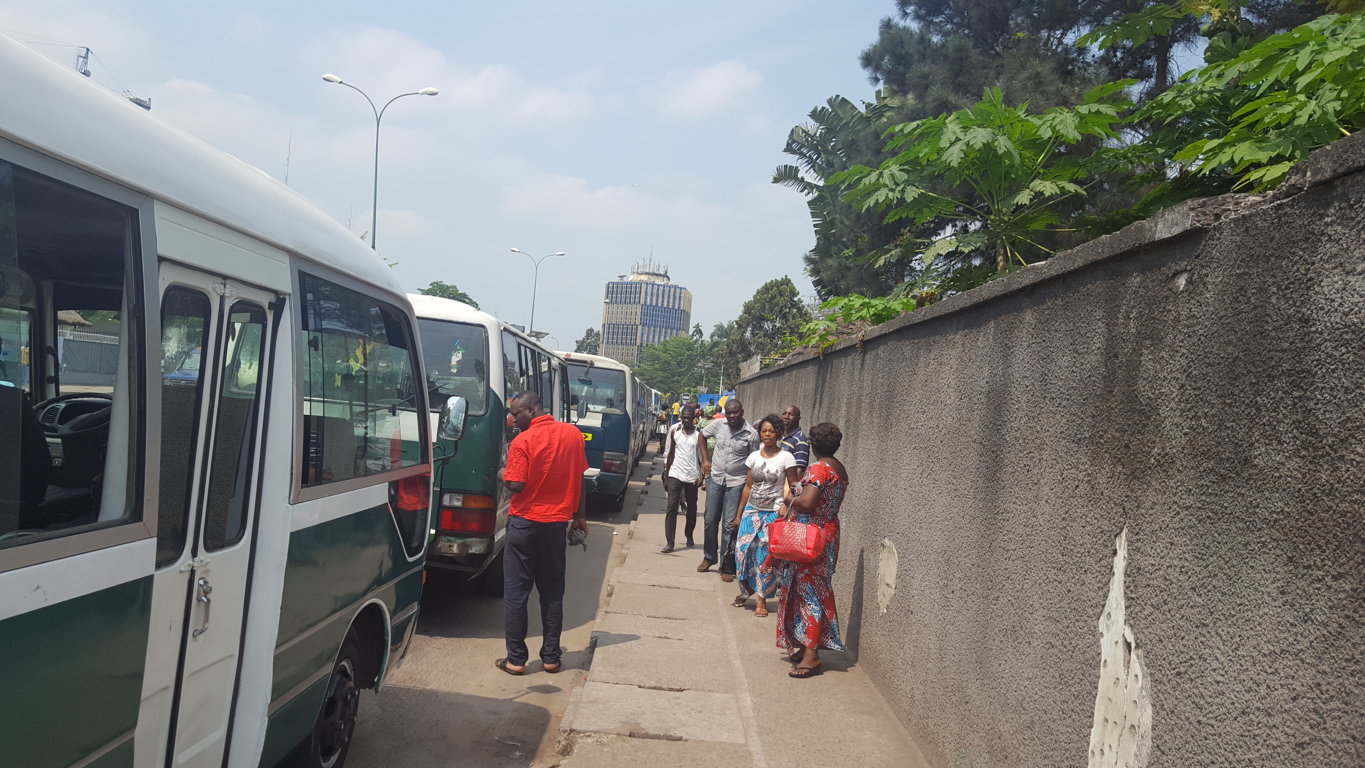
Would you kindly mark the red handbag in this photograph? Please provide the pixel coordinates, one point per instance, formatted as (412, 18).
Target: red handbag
(796, 542)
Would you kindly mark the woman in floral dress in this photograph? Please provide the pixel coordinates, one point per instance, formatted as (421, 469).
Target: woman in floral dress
(806, 620)
(771, 469)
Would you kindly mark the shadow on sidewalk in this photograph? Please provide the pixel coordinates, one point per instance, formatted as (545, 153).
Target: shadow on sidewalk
(483, 731)
(451, 608)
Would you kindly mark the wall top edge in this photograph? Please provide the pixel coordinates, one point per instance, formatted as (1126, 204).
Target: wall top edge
(1343, 157)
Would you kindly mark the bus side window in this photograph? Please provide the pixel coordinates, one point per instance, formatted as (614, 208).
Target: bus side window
(358, 374)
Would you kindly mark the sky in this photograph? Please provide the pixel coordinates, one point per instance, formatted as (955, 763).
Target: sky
(613, 131)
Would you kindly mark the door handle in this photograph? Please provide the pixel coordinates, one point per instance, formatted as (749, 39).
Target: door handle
(205, 589)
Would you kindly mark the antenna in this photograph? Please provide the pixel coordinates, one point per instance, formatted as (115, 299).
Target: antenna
(83, 60)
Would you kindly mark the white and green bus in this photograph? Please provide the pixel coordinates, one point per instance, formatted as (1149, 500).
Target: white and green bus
(471, 354)
(214, 452)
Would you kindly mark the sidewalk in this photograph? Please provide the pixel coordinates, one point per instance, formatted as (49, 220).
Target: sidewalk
(679, 677)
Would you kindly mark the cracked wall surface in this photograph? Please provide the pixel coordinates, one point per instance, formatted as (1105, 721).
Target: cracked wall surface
(1121, 731)
(1196, 380)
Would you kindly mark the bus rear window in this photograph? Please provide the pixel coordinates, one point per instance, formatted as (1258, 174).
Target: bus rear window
(456, 359)
(603, 389)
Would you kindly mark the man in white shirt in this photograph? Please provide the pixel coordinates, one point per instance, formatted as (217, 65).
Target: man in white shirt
(685, 452)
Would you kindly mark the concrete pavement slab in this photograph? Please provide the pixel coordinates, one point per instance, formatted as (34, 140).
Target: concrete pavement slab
(658, 626)
(595, 750)
(663, 571)
(656, 662)
(649, 714)
(646, 600)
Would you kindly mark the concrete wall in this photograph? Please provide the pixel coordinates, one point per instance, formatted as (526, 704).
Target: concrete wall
(1122, 492)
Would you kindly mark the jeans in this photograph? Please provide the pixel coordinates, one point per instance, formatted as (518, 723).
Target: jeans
(722, 503)
(534, 554)
(679, 493)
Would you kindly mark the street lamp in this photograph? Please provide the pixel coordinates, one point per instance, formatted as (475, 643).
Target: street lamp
(378, 116)
(705, 367)
(535, 282)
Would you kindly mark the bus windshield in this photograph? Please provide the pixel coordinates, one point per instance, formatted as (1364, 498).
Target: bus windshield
(456, 357)
(603, 389)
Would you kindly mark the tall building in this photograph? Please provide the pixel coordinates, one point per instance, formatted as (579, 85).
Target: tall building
(643, 309)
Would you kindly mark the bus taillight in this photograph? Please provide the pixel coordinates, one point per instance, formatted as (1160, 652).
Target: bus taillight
(470, 522)
(471, 514)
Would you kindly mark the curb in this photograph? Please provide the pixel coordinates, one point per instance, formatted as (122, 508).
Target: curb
(564, 744)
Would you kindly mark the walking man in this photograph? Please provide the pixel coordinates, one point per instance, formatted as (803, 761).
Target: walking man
(686, 453)
(735, 440)
(794, 441)
(544, 472)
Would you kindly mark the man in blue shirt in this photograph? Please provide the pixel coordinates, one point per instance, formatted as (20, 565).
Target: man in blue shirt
(795, 441)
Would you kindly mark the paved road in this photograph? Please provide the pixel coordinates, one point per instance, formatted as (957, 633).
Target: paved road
(448, 706)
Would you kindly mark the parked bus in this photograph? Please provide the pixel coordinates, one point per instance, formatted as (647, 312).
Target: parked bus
(613, 417)
(214, 457)
(470, 353)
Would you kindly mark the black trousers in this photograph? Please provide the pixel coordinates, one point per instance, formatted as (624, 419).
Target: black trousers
(679, 493)
(534, 555)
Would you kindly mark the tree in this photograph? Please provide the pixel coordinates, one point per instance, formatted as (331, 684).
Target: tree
(840, 135)
(448, 291)
(1008, 169)
(1255, 110)
(672, 365)
(591, 342)
(774, 312)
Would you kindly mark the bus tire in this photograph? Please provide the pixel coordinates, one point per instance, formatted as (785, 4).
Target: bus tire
(330, 740)
(617, 503)
(489, 583)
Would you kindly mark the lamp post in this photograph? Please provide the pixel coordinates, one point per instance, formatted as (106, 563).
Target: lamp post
(378, 116)
(705, 368)
(535, 282)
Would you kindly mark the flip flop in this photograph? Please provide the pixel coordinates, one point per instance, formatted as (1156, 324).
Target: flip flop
(551, 668)
(507, 667)
(740, 601)
(801, 673)
(760, 612)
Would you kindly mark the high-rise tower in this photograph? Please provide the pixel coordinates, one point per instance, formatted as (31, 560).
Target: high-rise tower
(642, 309)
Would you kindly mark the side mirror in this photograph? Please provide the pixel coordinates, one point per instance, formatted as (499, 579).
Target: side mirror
(582, 410)
(451, 423)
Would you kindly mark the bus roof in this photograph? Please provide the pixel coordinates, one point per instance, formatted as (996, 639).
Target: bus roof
(438, 308)
(56, 112)
(597, 360)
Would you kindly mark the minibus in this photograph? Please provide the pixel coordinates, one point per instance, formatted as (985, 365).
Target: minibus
(214, 452)
(474, 355)
(612, 412)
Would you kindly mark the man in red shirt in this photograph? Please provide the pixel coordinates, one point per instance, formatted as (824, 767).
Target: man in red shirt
(544, 472)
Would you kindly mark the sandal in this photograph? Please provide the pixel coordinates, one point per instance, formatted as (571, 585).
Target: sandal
(507, 667)
(740, 601)
(801, 673)
(760, 612)
(551, 668)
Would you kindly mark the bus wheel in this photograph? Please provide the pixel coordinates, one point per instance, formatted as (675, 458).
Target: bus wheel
(490, 582)
(327, 745)
(617, 503)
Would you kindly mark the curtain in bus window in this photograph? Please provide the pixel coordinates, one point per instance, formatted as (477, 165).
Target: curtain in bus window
(359, 385)
(234, 435)
(184, 334)
(456, 358)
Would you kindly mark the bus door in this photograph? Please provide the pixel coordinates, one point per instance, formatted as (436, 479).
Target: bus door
(215, 360)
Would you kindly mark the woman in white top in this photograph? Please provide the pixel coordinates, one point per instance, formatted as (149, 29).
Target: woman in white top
(771, 469)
